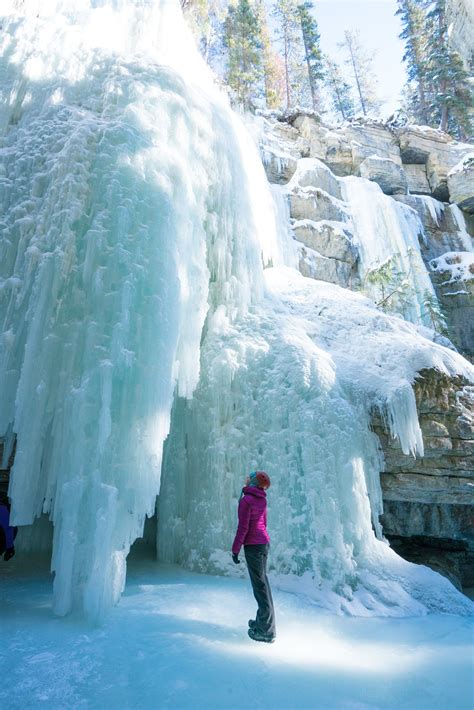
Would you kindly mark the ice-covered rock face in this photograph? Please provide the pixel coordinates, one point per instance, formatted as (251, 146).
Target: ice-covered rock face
(138, 223)
(460, 17)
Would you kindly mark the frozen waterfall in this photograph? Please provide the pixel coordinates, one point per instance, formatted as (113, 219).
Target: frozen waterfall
(134, 298)
(128, 210)
(387, 233)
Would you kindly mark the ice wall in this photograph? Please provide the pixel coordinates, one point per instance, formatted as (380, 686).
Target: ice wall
(126, 212)
(136, 227)
(290, 388)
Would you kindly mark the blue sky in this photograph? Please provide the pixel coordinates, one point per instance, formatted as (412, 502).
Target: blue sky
(379, 29)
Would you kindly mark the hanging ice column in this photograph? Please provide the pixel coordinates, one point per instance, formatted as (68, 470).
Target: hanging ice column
(127, 210)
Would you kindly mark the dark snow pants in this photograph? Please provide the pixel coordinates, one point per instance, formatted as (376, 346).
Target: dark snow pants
(256, 558)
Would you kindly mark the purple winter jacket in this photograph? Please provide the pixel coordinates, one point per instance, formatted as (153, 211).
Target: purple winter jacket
(252, 528)
(8, 533)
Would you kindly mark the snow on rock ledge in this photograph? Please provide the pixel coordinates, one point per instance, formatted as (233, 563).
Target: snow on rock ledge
(456, 265)
(424, 154)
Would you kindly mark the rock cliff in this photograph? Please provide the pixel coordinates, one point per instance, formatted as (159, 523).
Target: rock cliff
(418, 166)
(460, 16)
(428, 502)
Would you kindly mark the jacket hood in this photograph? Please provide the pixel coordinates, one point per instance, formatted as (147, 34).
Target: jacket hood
(254, 491)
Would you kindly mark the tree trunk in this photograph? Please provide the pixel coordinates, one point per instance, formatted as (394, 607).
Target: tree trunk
(422, 98)
(356, 77)
(443, 124)
(312, 83)
(287, 71)
(339, 101)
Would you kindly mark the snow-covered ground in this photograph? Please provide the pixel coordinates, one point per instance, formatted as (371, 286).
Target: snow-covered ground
(179, 640)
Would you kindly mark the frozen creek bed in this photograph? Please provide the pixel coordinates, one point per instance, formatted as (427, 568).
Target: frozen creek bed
(178, 640)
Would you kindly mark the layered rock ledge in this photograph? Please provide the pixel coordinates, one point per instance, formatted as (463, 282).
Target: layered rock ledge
(429, 502)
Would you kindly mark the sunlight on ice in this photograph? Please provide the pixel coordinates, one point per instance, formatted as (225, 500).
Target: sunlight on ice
(315, 649)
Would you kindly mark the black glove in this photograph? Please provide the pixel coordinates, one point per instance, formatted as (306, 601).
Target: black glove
(235, 558)
(9, 554)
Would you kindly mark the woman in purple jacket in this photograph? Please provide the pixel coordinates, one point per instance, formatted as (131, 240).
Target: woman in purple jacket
(252, 534)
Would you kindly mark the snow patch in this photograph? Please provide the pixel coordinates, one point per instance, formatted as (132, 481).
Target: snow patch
(458, 265)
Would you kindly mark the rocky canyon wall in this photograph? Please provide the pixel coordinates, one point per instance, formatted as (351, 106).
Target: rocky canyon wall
(429, 501)
(460, 15)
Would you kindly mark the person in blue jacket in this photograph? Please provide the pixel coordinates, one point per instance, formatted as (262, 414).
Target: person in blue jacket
(7, 532)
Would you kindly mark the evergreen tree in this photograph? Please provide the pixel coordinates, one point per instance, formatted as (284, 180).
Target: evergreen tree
(273, 72)
(451, 97)
(361, 64)
(412, 18)
(289, 33)
(389, 285)
(339, 89)
(432, 310)
(312, 50)
(242, 39)
(300, 89)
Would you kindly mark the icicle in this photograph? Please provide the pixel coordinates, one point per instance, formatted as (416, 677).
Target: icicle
(435, 207)
(461, 222)
(287, 248)
(402, 419)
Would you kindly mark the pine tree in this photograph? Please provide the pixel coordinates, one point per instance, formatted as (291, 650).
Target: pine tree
(300, 89)
(273, 72)
(433, 312)
(389, 285)
(361, 64)
(452, 96)
(242, 39)
(312, 50)
(412, 17)
(339, 89)
(289, 33)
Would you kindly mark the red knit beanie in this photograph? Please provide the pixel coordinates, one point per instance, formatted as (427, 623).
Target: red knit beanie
(263, 479)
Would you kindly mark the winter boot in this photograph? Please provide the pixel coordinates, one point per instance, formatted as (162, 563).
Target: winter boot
(257, 635)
